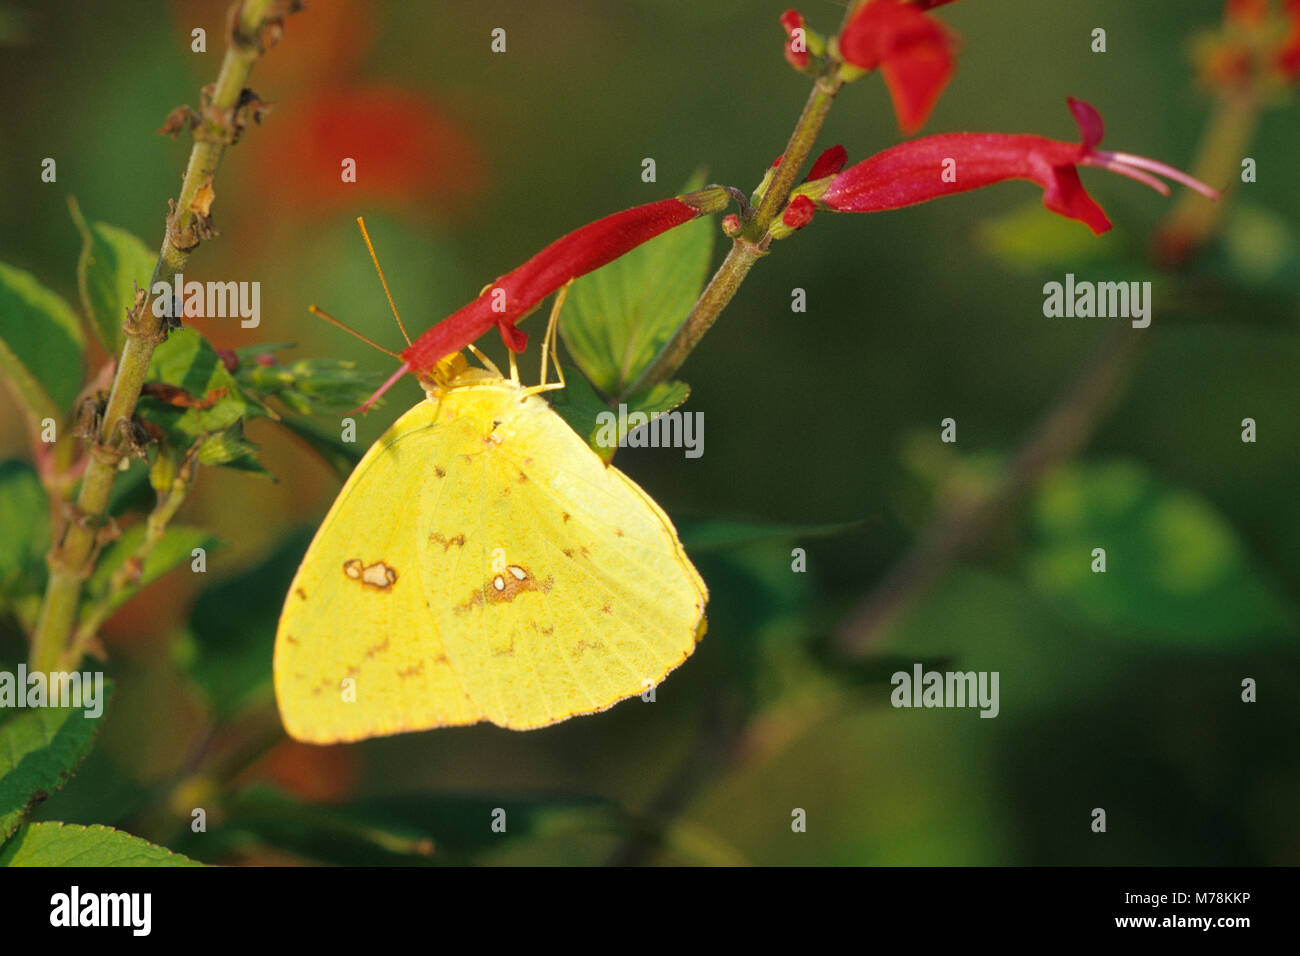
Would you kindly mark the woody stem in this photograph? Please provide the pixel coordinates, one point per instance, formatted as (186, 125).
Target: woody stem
(72, 557)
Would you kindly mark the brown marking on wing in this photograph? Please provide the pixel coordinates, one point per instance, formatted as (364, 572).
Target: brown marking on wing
(378, 576)
(289, 638)
(607, 609)
(475, 600)
(583, 646)
(437, 470)
(502, 588)
(414, 670)
(377, 649)
(440, 538)
(522, 477)
(566, 515)
(301, 593)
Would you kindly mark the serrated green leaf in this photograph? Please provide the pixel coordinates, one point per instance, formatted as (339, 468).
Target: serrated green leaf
(616, 319)
(41, 345)
(708, 534)
(40, 749)
(24, 516)
(112, 263)
(308, 386)
(67, 844)
(174, 548)
(1175, 569)
(230, 449)
(187, 361)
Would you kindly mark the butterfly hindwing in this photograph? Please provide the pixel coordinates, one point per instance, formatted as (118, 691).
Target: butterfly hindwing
(570, 590)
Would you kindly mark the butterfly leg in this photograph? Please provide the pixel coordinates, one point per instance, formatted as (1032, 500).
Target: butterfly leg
(550, 346)
(488, 364)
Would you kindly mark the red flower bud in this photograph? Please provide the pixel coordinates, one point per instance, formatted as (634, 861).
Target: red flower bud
(799, 213)
(828, 163)
(935, 166)
(796, 47)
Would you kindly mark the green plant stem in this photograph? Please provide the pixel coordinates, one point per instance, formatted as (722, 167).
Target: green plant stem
(72, 557)
(168, 503)
(750, 245)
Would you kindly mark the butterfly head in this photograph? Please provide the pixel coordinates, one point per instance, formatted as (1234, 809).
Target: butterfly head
(451, 371)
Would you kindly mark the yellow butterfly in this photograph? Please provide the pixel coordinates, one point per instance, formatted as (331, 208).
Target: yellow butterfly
(482, 563)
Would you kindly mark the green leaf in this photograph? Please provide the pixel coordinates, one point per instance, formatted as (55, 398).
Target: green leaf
(41, 344)
(187, 361)
(708, 534)
(308, 386)
(616, 319)
(232, 629)
(67, 844)
(112, 263)
(174, 549)
(1175, 570)
(604, 428)
(40, 748)
(24, 516)
(232, 450)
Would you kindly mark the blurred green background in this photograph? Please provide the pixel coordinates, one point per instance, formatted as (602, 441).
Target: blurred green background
(1120, 691)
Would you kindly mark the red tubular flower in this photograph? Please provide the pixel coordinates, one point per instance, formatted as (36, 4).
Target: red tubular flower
(911, 49)
(515, 294)
(914, 172)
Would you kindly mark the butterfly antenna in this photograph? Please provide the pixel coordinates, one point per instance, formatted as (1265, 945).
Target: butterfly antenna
(320, 314)
(384, 282)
